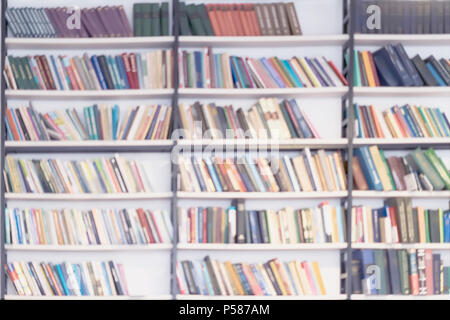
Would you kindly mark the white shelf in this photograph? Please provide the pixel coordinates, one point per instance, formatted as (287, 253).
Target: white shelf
(59, 248)
(403, 142)
(435, 246)
(261, 246)
(87, 196)
(269, 144)
(88, 146)
(261, 195)
(120, 43)
(88, 94)
(405, 39)
(399, 297)
(203, 297)
(393, 194)
(255, 93)
(264, 41)
(154, 297)
(401, 91)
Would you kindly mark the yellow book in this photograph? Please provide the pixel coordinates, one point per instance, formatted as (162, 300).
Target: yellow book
(320, 172)
(334, 225)
(422, 225)
(303, 278)
(296, 278)
(381, 168)
(368, 69)
(392, 126)
(423, 126)
(278, 279)
(234, 278)
(309, 72)
(318, 277)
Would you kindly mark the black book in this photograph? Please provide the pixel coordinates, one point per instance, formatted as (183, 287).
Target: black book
(263, 226)
(272, 278)
(212, 276)
(49, 279)
(394, 272)
(356, 272)
(415, 225)
(46, 185)
(36, 277)
(192, 286)
(239, 204)
(433, 222)
(424, 72)
(439, 69)
(22, 124)
(116, 278)
(105, 71)
(94, 227)
(409, 66)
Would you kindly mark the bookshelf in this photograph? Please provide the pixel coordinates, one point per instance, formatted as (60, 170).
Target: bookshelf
(159, 281)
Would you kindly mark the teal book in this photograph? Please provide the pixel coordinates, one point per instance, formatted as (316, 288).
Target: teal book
(294, 76)
(213, 174)
(442, 121)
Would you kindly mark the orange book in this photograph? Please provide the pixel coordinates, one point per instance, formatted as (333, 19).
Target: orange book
(235, 172)
(211, 8)
(227, 10)
(368, 68)
(257, 291)
(376, 121)
(53, 279)
(318, 277)
(246, 23)
(277, 276)
(77, 75)
(236, 16)
(309, 276)
(234, 278)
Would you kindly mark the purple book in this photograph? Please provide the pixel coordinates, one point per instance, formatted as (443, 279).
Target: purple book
(64, 16)
(54, 21)
(125, 23)
(98, 22)
(87, 23)
(323, 72)
(272, 73)
(103, 13)
(313, 69)
(115, 16)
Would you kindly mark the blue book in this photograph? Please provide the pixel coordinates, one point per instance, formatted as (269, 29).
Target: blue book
(213, 174)
(256, 175)
(314, 70)
(340, 220)
(62, 280)
(387, 72)
(323, 73)
(198, 174)
(154, 122)
(234, 74)
(18, 226)
(122, 72)
(8, 130)
(293, 75)
(245, 284)
(208, 283)
(121, 230)
(98, 72)
(114, 77)
(140, 70)
(64, 267)
(198, 69)
(200, 218)
(291, 278)
(376, 225)
(259, 279)
(441, 119)
(52, 59)
(198, 278)
(115, 121)
(99, 176)
(409, 121)
(129, 122)
(447, 226)
(435, 75)
(369, 280)
(272, 73)
(368, 168)
(78, 276)
(300, 119)
(308, 169)
(409, 66)
(241, 68)
(254, 230)
(105, 274)
(406, 78)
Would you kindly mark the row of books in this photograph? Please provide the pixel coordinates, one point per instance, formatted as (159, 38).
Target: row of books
(266, 119)
(306, 172)
(400, 272)
(151, 19)
(147, 70)
(100, 175)
(418, 170)
(391, 66)
(404, 17)
(97, 122)
(398, 222)
(68, 22)
(205, 69)
(273, 278)
(239, 19)
(92, 278)
(235, 224)
(87, 227)
(407, 121)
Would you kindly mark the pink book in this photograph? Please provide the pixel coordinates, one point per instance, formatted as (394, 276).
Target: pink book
(180, 280)
(312, 283)
(137, 176)
(429, 271)
(152, 215)
(123, 279)
(252, 280)
(314, 131)
(265, 74)
(244, 64)
(55, 127)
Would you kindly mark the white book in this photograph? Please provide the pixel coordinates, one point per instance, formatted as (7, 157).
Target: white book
(42, 279)
(30, 279)
(168, 223)
(318, 225)
(291, 172)
(384, 128)
(161, 226)
(182, 225)
(312, 165)
(327, 221)
(90, 282)
(365, 222)
(232, 225)
(72, 280)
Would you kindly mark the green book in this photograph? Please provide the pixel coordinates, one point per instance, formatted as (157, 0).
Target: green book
(439, 166)
(427, 226)
(191, 70)
(427, 169)
(29, 74)
(388, 169)
(195, 20)
(147, 19)
(164, 19)
(356, 72)
(404, 271)
(381, 262)
(185, 29)
(88, 122)
(16, 72)
(425, 120)
(441, 225)
(288, 121)
(201, 8)
(155, 20)
(263, 119)
(137, 19)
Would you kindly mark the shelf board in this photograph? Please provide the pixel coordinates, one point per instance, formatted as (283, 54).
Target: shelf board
(89, 146)
(435, 246)
(120, 43)
(261, 246)
(257, 93)
(151, 297)
(392, 194)
(264, 41)
(402, 143)
(87, 196)
(401, 91)
(399, 297)
(287, 144)
(405, 39)
(88, 94)
(261, 195)
(204, 297)
(59, 248)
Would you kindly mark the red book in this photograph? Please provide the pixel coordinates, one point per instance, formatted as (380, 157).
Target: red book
(310, 277)
(12, 125)
(257, 291)
(235, 14)
(211, 9)
(413, 272)
(394, 223)
(338, 73)
(158, 233)
(401, 121)
(145, 225)
(231, 27)
(133, 65)
(254, 20)
(374, 69)
(127, 65)
(242, 12)
(205, 225)
(429, 271)
(72, 78)
(191, 225)
(220, 14)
